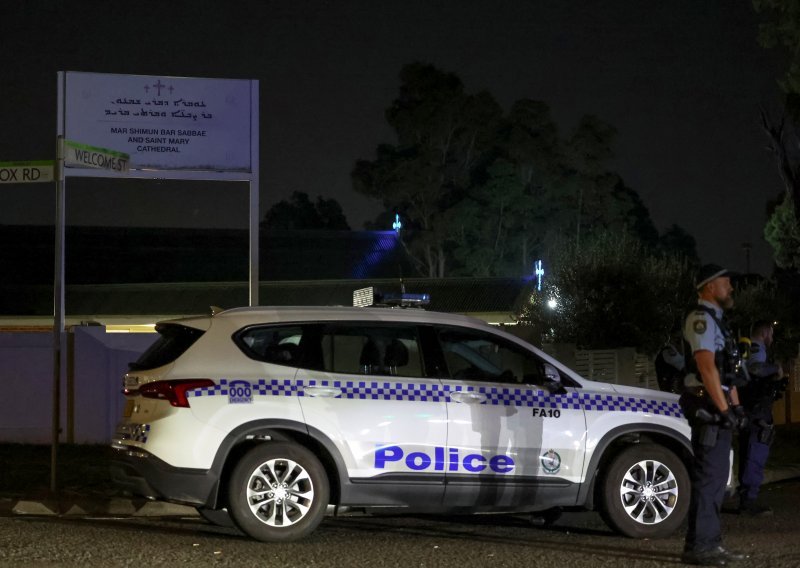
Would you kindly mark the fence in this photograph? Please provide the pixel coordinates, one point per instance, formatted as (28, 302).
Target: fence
(626, 367)
(622, 366)
(96, 361)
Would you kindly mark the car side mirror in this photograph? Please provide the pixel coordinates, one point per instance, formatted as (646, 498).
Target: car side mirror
(552, 380)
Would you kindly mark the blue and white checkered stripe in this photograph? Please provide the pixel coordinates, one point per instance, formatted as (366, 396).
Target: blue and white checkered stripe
(434, 392)
(140, 433)
(263, 387)
(375, 390)
(609, 402)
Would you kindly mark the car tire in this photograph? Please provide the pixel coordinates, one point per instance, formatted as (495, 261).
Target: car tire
(645, 492)
(278, 492)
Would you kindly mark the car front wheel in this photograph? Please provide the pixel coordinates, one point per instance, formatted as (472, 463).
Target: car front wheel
(645, 492)
(278, 492)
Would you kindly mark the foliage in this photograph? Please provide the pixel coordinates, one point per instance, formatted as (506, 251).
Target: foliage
(441, 134)
(753, 302)
(676, 241)
(780, 28)
(783, 233)
(612, 291)
(767, 300)
(300, 213)
(482, 193)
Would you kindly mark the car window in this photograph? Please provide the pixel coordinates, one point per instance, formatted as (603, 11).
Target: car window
(173, 340)
(480, 356)
(369, 349)
(272, 344)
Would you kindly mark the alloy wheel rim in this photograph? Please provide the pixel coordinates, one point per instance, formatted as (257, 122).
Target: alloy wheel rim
(649, 492)
(280, 492)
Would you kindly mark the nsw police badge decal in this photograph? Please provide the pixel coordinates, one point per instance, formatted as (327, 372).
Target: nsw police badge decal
(699, 326)
(551, 461)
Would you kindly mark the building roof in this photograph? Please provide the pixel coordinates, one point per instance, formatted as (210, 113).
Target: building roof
(461, 295)
(121, 255)
(158, 273)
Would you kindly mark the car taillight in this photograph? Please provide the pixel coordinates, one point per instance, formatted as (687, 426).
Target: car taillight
(173, 391)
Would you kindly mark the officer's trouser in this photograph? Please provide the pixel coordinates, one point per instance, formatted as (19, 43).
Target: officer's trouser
(710, 469)
(753, 454)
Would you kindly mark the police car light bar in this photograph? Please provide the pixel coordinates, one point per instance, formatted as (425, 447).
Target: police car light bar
(405, 299)
(365, 297)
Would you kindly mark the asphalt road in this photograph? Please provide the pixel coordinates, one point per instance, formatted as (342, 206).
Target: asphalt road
(576, 540)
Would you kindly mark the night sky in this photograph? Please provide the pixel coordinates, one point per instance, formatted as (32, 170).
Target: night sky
(681, 80)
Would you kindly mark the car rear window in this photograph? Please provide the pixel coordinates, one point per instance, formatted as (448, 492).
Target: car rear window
(371, 349)
(173, 340)
(272, 344)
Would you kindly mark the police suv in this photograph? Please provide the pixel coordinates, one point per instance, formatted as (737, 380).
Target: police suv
(268, 416)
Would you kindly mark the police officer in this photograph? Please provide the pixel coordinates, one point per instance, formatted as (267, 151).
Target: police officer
(670, 364)
(710, 403)
(757, 397)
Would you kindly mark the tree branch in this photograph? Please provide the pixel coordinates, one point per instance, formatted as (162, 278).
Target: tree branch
(777, 147)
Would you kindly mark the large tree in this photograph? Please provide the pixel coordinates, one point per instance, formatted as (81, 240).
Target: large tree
(780, 29)
(482, 192)
(612, 291)
(442, 133)
(299, 212)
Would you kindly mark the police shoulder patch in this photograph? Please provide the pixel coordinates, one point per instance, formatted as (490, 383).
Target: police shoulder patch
(699, 326)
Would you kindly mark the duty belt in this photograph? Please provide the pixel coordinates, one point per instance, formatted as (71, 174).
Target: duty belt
(696, 391)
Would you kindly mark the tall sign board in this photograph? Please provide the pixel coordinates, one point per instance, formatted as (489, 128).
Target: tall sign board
(157, 127)
(165, 123)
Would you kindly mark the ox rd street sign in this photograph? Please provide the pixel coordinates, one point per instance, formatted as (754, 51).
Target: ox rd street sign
(26, 172)
(84, 156)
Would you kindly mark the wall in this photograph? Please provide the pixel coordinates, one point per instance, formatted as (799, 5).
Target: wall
(91, 403)
(26, 376)
(101, 360)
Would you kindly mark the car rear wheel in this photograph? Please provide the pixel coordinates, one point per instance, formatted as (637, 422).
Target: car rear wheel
(278, 492)
(645, 492)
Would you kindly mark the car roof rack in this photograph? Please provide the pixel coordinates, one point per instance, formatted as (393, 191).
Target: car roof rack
(366, 297)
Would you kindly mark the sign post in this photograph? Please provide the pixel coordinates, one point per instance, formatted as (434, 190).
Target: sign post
(36, 172)
(69, 153)
(58, 310)
(161, 128)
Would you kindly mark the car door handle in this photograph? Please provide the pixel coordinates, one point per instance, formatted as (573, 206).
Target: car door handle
(328, 392)
(468, 397)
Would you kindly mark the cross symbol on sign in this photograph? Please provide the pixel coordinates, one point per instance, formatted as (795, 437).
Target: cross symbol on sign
(159, 86)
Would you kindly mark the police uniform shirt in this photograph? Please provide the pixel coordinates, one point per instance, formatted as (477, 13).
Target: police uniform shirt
(757, 364)
(703, 334)
(673, 357)
(758, 353)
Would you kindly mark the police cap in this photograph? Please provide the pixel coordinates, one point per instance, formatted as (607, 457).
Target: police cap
(709, 272)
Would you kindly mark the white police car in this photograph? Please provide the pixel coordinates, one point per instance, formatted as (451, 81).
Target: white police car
(273, 414)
